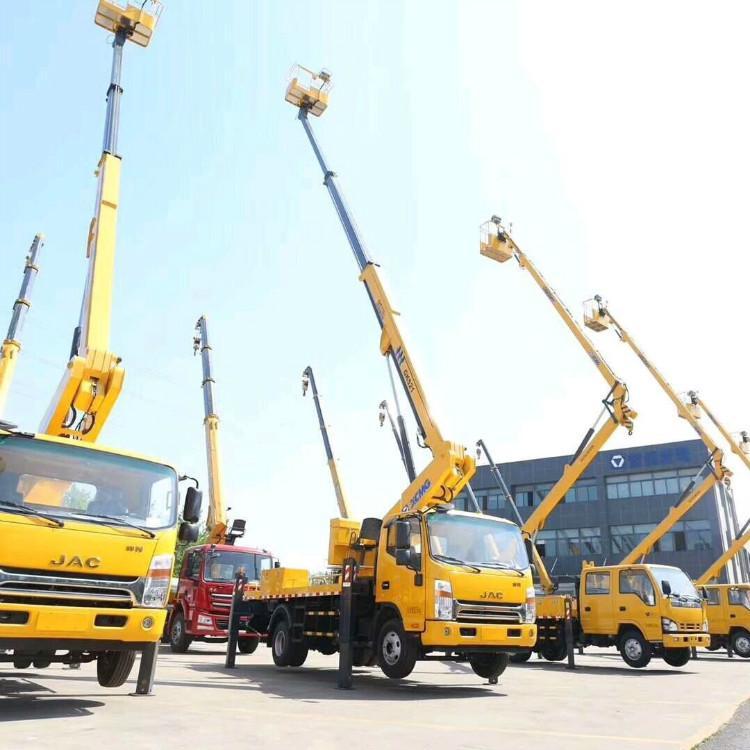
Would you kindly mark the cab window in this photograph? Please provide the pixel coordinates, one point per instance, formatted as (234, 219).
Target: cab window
(415, 536)
(638, 583)
(739, 597)
(194, 565)
(712, 597)
(597, 583)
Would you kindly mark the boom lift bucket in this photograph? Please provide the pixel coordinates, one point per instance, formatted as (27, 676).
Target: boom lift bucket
(494, 242)
(308, 90)
(595, 314)
(139, 23)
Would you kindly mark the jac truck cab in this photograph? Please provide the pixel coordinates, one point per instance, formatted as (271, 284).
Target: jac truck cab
(728, 607)
(200, 609)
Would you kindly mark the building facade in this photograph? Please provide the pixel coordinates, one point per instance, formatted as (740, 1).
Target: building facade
(613, 506)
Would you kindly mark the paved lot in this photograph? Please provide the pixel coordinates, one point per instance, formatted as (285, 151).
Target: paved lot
(602, 704)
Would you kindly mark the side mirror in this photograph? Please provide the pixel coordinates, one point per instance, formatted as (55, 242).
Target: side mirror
(403, 535)
(529, 545)
(409, 559)
(193, 502)
(666, 587)
(188, 532)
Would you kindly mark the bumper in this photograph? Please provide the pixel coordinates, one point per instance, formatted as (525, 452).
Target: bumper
(681, 640)
(448, 634)
(79, 624)
(218, 628)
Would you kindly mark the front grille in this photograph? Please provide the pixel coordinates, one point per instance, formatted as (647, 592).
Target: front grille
(489, 613)
(693, 627)
(41, 587)
(221, 603)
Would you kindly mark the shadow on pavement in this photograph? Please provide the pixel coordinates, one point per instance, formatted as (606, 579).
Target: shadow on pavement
(23, 700)
(603, 671)
(312, 684)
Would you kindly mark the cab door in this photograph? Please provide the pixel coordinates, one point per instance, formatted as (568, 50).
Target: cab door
(189, 583)
(636, 603)
(402, 586)
(596, 603)
(717, 610)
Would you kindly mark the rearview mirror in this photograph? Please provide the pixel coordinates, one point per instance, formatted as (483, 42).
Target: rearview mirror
(666, 587)
(188, 532)
(403, 535)
(193, 502)
(529, 548)
(409, 558)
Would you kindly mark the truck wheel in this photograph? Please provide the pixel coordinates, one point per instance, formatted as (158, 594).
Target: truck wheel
(554, 650)
(113, 667)
(298, 655)
(521, 657)
(634, 649)
(677, 657)
(397, 651)
(247, 645)
(281, 644)
(489, 666)
(714, 645)
(741, 643)
(179, 640)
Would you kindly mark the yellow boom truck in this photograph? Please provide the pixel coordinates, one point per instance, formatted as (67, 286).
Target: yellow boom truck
(643, 610)
(424, 582)
(87, 534)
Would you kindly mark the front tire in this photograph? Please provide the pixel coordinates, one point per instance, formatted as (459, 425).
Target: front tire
(179, 640)
(489, 666)
(741, 643)
(634, 649)
(397, 650)
(113, 667)
(554, 650)
(677, 657)
(521, 657)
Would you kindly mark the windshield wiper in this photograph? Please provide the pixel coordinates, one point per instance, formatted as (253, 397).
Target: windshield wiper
(501, 566)
(25, 510)
(447, 558)
(115, 521)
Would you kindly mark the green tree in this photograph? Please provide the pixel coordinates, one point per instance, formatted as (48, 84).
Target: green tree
(182, 547)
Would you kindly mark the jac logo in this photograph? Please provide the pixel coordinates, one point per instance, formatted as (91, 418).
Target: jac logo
(617, 461)
(76, 562)
(492, 595)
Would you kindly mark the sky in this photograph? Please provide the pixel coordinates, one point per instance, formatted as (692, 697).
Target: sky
(613, 137)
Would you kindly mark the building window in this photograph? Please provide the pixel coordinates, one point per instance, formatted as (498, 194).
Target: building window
(687, 536)
(625, 486)
(583, 491)
(627, 537)
(529, 495)
(524, 495)
(597, 583)
(494, 502)
(569, 542)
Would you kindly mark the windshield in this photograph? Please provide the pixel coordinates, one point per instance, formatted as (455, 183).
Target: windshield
(474, 539)
(69, 480)
(681, 585)
(222, 567)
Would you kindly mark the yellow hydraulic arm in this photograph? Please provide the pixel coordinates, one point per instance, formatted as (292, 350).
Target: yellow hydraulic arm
(11, 346)
(93, 378)
(741, 447)
(497, 244)
(597, 317)
(736, 547)
(308, 381)
(451, 466)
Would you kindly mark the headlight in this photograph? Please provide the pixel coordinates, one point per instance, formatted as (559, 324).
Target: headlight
(205, 620)
(668, 626)
(443, 600)
(156, 590)
(530, 611)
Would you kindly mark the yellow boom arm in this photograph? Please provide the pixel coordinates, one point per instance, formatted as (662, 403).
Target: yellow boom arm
(737, 546)
(497, 244)
(451, 466)
(93, 378)
(598, 317)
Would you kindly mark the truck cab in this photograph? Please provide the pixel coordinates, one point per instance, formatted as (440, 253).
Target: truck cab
(644, 610)
(728, 608)
(200, 609)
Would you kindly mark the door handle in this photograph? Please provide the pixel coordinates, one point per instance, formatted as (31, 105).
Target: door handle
(733, 616)
(587, 609)
(623, 609)
(385, 585)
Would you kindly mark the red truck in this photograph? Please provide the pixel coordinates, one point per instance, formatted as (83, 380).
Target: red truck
(200, 608)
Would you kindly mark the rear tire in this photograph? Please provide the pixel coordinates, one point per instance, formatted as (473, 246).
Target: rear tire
(397, 650)
(113, 667)
(554, 650)
(489, 666)
(677, 657)
(179, 640)
(247, 645)
(741, 643)
(281, 642)
(634, 649)
(521, 657)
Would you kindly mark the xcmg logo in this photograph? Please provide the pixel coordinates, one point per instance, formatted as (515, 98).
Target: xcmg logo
(617, 461)
(421, 492)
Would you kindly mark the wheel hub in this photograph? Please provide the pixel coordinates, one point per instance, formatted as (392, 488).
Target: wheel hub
(742, 644)
(391, 648)
(633, 649)
(279, 642)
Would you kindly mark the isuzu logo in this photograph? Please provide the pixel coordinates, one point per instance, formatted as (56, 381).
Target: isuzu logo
(76, 562)
(492, 595)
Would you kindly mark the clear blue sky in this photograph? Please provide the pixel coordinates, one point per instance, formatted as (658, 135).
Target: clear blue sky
(616, 143)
